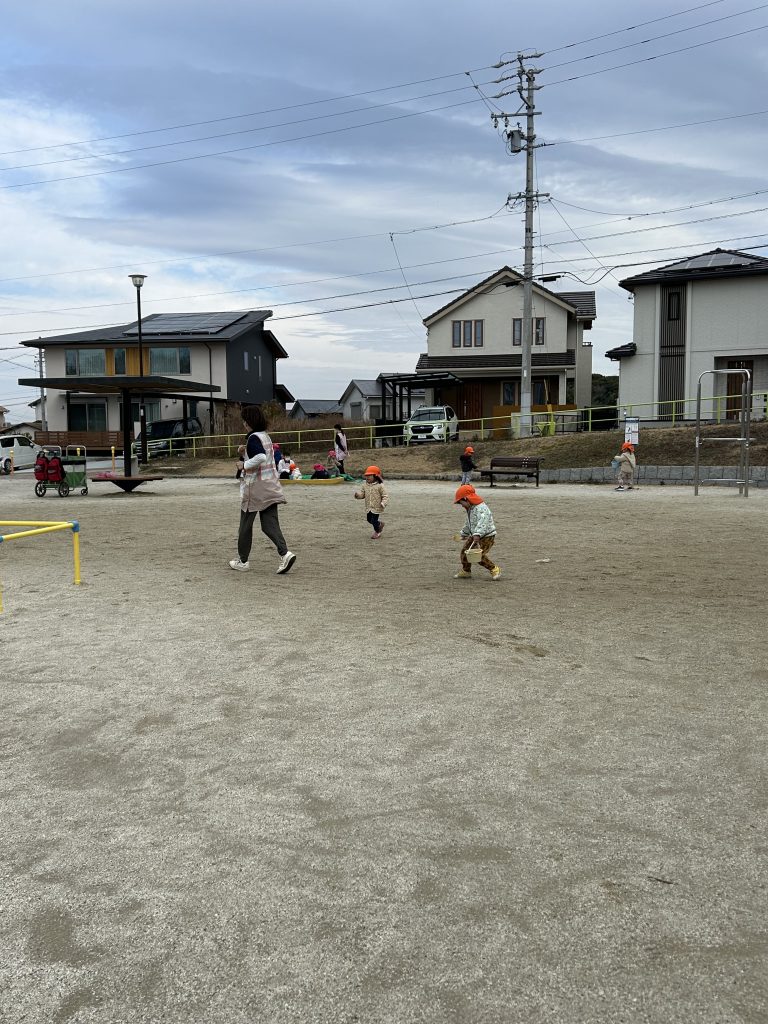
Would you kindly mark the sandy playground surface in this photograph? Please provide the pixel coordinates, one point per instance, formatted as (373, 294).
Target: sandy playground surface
(366, 792)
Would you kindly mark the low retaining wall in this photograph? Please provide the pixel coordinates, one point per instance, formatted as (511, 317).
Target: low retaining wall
(758, 475)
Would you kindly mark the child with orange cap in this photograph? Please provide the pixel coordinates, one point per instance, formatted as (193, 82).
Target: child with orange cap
(467, 464)
(626, 464)
(478, 531)
(374, 494)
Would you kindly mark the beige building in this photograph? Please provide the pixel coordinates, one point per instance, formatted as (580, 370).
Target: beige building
(478, 338)
(709, 312)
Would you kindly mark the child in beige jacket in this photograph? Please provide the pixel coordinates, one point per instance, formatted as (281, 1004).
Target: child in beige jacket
(374, 494)
(627, 464)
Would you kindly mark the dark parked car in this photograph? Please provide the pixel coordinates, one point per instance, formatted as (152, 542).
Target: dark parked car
(164, 437)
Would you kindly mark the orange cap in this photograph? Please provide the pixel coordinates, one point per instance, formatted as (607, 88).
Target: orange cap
(469, 450)
(372, 471)
(627, 447)
(467, 493)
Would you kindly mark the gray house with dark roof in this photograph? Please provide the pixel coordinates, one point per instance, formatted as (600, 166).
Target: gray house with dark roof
(707, 312)
(234, 351)
(478, 337)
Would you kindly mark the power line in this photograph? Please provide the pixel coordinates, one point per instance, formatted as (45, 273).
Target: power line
(653, 39)
(632, 28)
(241, 131)
(643, 60)
(663, 128)
(240, 149)
(234, 117)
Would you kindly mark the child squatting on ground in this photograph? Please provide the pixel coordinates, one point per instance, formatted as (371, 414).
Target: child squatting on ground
(374, 494)
(626, 464)
(467, 464)
(479, 531)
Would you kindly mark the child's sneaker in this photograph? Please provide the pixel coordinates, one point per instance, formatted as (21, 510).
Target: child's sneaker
(240, 566)
(496, 572)
(381, 528)
(462, 575)
(619, 488)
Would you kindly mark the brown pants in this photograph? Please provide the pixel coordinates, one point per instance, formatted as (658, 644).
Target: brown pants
(485, 544)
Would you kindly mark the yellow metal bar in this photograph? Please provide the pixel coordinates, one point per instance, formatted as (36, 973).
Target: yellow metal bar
(35, 522)
(76, 553)
(36, 532)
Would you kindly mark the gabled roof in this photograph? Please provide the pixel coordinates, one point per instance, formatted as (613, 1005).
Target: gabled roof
(367, 388)
(163, 328)
(717, 263)
(582, 303)
(316, 406)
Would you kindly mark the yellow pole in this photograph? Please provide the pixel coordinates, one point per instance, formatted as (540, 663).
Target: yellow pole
(76, 551)
(37, 532)
(113, 458)
(12, 462)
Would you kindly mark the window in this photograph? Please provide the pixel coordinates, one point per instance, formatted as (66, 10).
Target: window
(539, 330)
(466, 333)
(120, 360)
(169, 360)
(673, 306)
(245, 361)
(510, 392)
(85, 362)
(87, 416)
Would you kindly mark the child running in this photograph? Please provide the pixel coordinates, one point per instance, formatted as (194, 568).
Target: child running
(478, 531)
(467, 464)
(374, 494)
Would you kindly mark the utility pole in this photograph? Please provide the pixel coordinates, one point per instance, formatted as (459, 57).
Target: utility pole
(518, 142)
(41, 371)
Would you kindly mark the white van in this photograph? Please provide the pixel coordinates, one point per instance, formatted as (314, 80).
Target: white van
(24, 452)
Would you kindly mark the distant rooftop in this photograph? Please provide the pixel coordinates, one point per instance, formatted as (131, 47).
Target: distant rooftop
(717, 263)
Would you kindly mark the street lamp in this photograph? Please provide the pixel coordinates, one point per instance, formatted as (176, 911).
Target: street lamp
(138, 281)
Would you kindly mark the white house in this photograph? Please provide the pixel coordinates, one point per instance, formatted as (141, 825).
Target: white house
(708, 312)
(478, 338)
(361, 401)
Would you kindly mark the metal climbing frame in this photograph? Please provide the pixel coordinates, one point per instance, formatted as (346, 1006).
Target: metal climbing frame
(745, 422)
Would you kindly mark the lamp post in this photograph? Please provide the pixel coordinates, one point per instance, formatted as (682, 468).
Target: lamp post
(138, 281)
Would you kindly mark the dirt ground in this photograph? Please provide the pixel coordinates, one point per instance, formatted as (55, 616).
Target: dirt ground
(368, 792)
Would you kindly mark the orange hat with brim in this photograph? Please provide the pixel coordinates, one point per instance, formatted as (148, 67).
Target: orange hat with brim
(467, 493)
(627, 447)
(469, 450)
(372, 471)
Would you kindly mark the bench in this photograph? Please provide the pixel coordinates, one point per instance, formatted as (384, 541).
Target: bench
(513, 465)
(125, 483)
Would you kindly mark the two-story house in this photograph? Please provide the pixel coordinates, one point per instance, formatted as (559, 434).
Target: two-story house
(233, 351)
(708, 312)
(478, 336)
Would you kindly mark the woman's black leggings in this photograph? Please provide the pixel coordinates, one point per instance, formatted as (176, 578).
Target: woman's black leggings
(270, 525)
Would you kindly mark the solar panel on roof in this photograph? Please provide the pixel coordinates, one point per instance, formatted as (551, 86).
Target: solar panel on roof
(186, 323)
(711, 260)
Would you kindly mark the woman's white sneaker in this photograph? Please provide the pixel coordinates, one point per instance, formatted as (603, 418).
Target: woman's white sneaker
(240, 566)
(286, 562)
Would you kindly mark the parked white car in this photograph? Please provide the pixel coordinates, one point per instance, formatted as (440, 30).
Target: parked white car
(24, 452)
(431, 423)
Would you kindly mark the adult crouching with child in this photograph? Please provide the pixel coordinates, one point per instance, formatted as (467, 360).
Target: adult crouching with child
(260, 493)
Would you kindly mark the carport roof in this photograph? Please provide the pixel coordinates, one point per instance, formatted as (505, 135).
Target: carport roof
(115, 384)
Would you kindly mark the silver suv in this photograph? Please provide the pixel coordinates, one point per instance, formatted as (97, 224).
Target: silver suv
(431, 423)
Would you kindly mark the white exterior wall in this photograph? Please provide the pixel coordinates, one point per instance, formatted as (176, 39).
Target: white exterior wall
(497, 309)
(725, 319)
(638, 376)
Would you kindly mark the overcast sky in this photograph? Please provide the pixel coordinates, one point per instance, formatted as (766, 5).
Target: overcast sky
(247, 155)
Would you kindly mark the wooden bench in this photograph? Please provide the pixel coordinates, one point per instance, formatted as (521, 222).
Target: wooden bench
(513, 465)
(125, 483)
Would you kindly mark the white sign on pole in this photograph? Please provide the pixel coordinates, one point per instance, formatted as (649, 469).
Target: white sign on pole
(632, 429)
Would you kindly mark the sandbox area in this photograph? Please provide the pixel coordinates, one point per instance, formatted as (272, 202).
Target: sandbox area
(368, 792)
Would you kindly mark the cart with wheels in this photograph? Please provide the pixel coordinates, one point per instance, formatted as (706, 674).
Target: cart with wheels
(64, 472)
